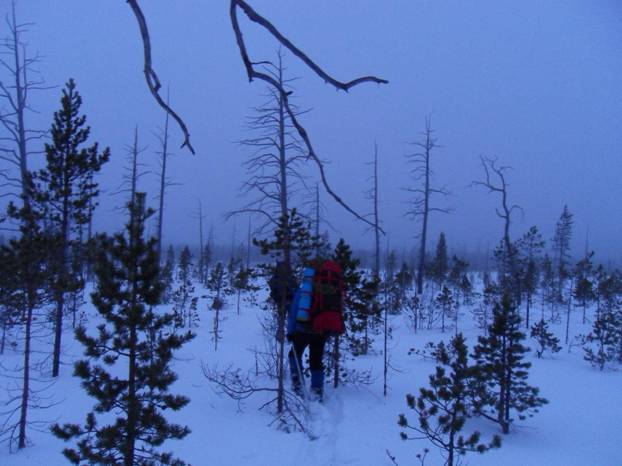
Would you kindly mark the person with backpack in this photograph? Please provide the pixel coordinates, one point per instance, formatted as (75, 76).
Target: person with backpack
(315, 314)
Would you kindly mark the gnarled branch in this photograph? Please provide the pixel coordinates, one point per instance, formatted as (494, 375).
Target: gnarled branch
(153, 82)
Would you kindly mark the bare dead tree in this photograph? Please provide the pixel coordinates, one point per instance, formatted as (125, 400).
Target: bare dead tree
(274, 165)
(500, 186)
(316, 213)
(134, 170)
(240, 387)
(248, 245)
(273, 170)
(15, 91)
(165, 181)
(200, 216)
(373, 195)
(422, 204)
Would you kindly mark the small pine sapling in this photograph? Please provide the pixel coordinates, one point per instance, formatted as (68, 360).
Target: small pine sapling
(601, 345)
(446, 307)
(499, 384)
(545, 339)
(443, 408)
(166, 275)
(184, 303)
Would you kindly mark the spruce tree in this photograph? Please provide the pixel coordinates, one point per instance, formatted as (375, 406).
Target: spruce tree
(500, 386)
(545, 339)
(66, 190)
(138, 343)
(443, 408)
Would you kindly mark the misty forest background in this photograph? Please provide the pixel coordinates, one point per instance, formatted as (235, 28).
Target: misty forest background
(96, 256)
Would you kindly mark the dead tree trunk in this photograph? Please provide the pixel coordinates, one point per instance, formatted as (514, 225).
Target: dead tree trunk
(421, 173)
(164, 182)
(509, 268)
(15, 92)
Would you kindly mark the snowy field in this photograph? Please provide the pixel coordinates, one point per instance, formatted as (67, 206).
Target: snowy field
(356, 425)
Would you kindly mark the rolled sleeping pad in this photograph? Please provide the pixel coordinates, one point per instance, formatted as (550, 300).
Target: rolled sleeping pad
(303, 313)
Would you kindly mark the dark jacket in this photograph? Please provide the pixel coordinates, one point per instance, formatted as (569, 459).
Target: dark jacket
(281, 283)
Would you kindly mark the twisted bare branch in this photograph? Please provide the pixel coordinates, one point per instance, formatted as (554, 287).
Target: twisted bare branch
(153, 82)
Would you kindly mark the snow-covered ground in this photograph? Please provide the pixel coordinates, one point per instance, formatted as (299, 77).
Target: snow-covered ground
(356, 425)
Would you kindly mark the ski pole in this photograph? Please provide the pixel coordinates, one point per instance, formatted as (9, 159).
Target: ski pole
(300, 374)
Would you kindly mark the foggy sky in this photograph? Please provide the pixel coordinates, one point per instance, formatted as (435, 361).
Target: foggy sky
(536, 84)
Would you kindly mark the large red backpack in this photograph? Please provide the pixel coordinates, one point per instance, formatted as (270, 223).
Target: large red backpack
(327, 308)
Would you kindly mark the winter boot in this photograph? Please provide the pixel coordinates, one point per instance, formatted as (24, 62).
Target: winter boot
(317, 383)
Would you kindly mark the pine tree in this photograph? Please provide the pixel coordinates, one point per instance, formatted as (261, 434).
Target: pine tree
(137, 341)
(66, 190)
(293, 244)
(403, 281)
(561, 250)
(218, 285)
(184, 303)
(602, 344)
(24, 263)
(167, 275)
(529, 246)
(359, 307)
(508, 275)
(547, 282)
(608, 290)
(446, 307)
(545, 339)
(242, 282)
(361, 313)
(457, 275)
(500, 380)
(440, 264)
(584, 286)
(483, 312)
(443, 409)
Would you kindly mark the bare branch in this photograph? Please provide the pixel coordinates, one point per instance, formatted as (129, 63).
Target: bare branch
(153, 82)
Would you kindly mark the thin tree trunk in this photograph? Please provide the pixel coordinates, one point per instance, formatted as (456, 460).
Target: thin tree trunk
(426, 211)
(4, 326)
(568, 316)
(26, 380)
(336, 361)
(286, 248)
(162, 184)
(376, 218)
(60, 291)
(385, 350)
(132, 402)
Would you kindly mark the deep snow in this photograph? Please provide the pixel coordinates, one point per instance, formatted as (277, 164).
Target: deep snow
(356, 425)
